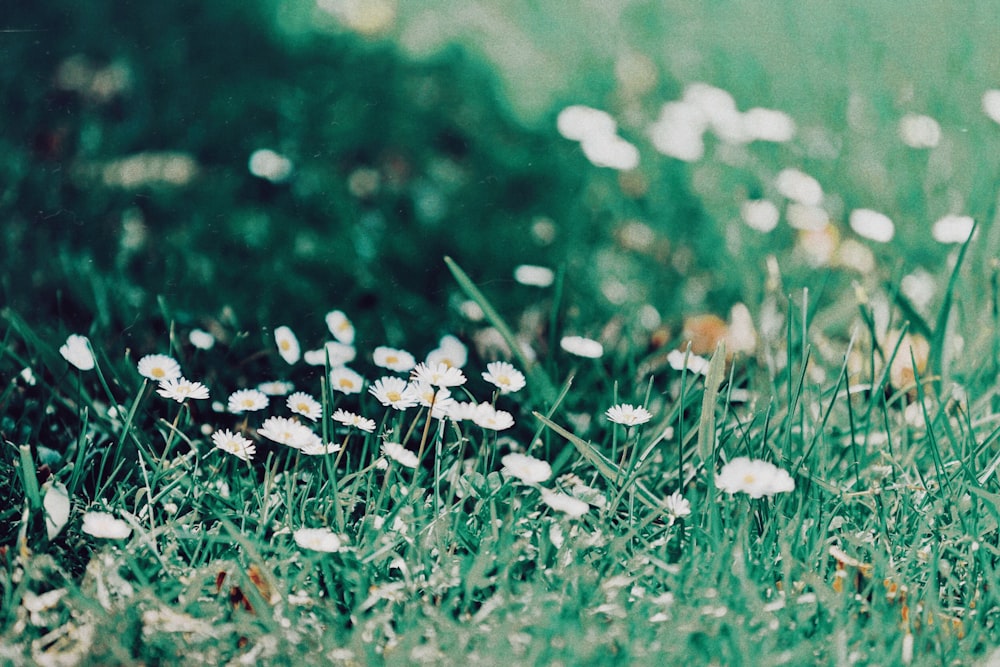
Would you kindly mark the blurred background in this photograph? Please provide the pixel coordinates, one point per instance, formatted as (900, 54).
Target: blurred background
(264, 161)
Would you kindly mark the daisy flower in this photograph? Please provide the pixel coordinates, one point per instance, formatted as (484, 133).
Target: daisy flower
(504, 376)
(392, 359)
(286, 431)
(235, 444)
(462, 411)
(340, 354)
(677, 506)
(340, 327)
(201, 339)
(159, 367)
(276, 387)
(628, 415)
(351, 419)
(427, 396)
(489, 417)
(582, 347)
(526, 468)
(77, 351)
(534, 276)
(346, 381)
(450, 351)
(105, 526)
(439, 375)
(303, 404)
(754, 477)
(288, 344)
(317, 539)
(181, 389)
(400, 454)
(316, 447)
(247, 400)
(392, 392)
(692, 362)
(564, 503)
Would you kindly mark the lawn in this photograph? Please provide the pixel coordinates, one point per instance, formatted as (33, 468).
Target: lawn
(480, 333)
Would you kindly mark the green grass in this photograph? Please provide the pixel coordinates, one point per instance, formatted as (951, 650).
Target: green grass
(890, 542)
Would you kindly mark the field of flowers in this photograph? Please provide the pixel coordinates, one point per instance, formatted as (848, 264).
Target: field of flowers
(408, 333)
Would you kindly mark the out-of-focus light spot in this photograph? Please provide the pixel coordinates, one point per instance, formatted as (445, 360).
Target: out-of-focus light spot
(366, 17)
(872, 225)
(678, 131)
(534, 276)
(768, 125)
(649, 317)
(636, 236)
(991, 105)
(610, 151)
(760, 214)
(799, 186)
(364, 182)
(919, 288)
(143, 169)
(807, 218)
(741, 336)
(818, 246)
(543, 230)
(265, 163)
(471, 311)
(952, 229)
(919, 131)
(636, 74)
(579, 122)
(854, 255)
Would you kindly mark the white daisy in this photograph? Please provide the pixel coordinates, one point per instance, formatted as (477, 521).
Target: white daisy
(159, 367)
(504, 376)
(534, 276)
(247, 400)
(392, 392)
(628, 415)
(351, 419)
(77, 351)
(318, 539)
(338, 353)
(105, 526)
(303, 404)
(564, 503)
(276, 387)
(286, 431)
(235, 444)
(526, 468)
(427, 396)
(315, 447)
(754, 477)
(201, 339)
(489, 417)
(582, 347)
(953, 229)
(439, 375)
(462, 411)
(872, 225)
(677, 506)
(340, 327)
(450, 351)
(400, 454)
(181, 389)
(346, 381)
(799, 186)
(288, 344)
(400, 361)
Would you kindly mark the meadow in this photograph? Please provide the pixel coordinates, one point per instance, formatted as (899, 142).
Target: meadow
(407, 333)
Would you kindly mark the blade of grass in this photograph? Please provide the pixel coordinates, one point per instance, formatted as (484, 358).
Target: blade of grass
(706, 424)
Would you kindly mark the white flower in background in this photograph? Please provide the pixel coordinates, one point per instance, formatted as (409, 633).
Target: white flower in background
(953, 229)
(582, 347)
(628, 415)
(392, 359)
(872, 225)
(76, 350)
(918, 131)
(677, 506)
(180, 390)
(429, 396)
(610, 151)
(201, 339)
(680, 361)
(341, 327)
(768, 125)
(807, 218)
(462, 411)
(288, 344)
(392, 392)
(489, 417)
(678, 131)
(799, 186)
(439, 375)
(269, 165)
(317, 539)
(760, 214)
(235, 444)
(504, 376)
(718, 110)
(351, 419)
(338, 353)
(526, 468)
(303, 404)
(578, 122)
(105, 526)
(315, 447)
(534, 276)
(754, 477)
(991, 105)
(286, 431)
(28, 376)
(276, 387)
(450, 351)
(247, 400)
(564, 503)
(400, 454)
(159, 367)
(346, 381)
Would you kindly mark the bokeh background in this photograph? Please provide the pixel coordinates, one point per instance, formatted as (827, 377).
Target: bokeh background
(388, 134)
